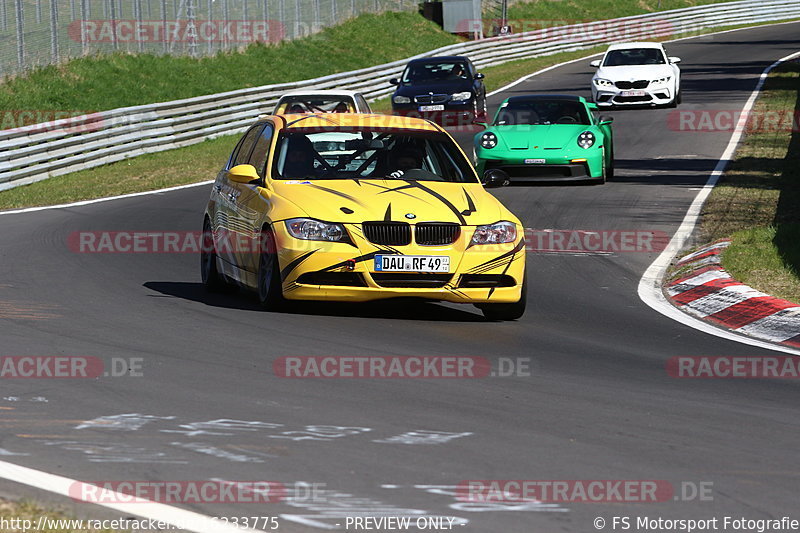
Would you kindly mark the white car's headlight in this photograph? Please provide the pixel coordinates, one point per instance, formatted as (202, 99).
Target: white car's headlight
(497, 233)
(586, 139)
(309, 229)
(660, 81)
(488, 140)
(600, 82)
(460, 97)
(401, 100)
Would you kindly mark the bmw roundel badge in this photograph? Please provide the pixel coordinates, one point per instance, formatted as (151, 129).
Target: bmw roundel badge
(411, 215)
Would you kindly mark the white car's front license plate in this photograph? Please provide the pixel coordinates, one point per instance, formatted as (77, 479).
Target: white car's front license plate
(431, 108)
(412, 263)
(632, 93)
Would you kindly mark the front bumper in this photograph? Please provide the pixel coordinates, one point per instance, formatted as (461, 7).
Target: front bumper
(315, 270)
(554, 168)
(613, 96)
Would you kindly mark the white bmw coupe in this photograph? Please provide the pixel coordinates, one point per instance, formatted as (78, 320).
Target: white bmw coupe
(636, 74)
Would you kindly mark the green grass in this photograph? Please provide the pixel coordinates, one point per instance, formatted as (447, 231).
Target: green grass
(527, 14)
(27, 510)
(757, 202)
(98, 83)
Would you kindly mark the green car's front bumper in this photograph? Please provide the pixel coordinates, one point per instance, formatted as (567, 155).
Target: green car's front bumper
(543, 165)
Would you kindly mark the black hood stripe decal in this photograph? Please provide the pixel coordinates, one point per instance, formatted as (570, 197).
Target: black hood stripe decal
(294, 264)
(334, 191)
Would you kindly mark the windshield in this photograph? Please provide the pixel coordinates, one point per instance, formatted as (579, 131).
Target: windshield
(315, 104)
(542, 112)
(419, 156)
(634, 56)
(435, 71)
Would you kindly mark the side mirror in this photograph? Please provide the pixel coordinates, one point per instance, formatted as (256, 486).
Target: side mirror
(494, 177)
(602, 119)
(243, 174)
(595, 63)
(394, 81)
(479, 76)
(674, 60)
(591, 106)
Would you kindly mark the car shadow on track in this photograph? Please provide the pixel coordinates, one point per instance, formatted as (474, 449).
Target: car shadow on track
(396, 308)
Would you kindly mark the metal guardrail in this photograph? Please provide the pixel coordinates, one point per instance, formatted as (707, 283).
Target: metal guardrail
(33, 153)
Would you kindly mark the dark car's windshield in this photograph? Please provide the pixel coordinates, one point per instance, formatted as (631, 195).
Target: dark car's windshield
(542, 112)
(634, 56)
(435, 71)
(418, 156)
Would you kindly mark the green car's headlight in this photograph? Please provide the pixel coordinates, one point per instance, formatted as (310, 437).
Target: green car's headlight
(488, 140)
(401, 100)
(497, 233)
(586, 139)
(315, 230)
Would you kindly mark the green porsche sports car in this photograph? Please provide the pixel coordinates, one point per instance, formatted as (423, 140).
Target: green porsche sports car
(546, 138)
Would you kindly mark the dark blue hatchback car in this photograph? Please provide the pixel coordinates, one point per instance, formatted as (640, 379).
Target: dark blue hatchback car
(445, 89)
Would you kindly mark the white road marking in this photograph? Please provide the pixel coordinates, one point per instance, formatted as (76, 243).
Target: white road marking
(180, 518)
(649, 289)
(106, 199)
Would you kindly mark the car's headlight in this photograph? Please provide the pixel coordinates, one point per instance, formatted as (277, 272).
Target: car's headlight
(488, 140)
(401, 100)
(497, 233)
(600, 82)
(315, 230)
(461, 96)
(662, 80)
(586, 139)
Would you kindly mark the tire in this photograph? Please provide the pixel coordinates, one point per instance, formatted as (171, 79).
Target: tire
(510, 311)
(679, 97)
(604, 172)
(213, 281)
(270, 292)
(610, 169)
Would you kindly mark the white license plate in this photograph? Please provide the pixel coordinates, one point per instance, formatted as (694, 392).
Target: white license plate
(535, 161)
(632, 93)
(412, 263)
(431, 108)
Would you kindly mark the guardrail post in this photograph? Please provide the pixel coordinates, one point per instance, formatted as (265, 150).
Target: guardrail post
(38, 11)
(54, 31)
(3, 15)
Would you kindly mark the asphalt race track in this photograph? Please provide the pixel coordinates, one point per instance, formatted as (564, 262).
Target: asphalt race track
(599, 404)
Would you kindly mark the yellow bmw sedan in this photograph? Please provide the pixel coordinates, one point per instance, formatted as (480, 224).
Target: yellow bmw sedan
(354, 207)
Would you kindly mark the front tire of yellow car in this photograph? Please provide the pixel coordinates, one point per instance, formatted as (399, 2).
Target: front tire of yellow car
(270, 293)
(511, 311)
